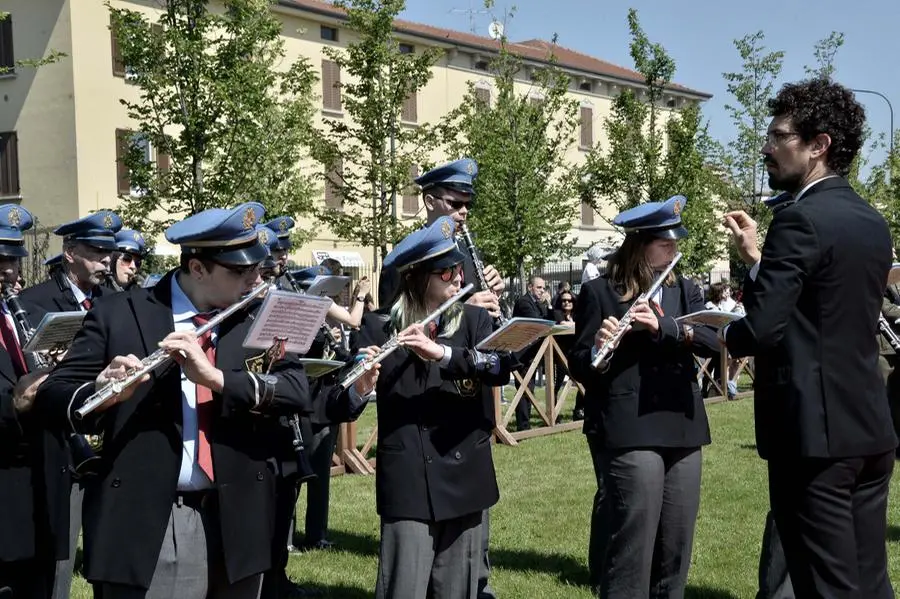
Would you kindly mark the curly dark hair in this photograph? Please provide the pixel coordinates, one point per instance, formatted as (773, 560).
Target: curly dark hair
(822, 106)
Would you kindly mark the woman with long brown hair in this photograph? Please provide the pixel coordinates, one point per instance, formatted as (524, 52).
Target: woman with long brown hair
(644, 417)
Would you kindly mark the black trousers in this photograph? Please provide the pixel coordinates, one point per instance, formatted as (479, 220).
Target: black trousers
(831, 515)
(28, 579)
(774, 580)
(275, 579)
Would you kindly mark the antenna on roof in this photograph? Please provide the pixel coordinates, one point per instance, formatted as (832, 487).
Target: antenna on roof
(495, 30)
(471, 12)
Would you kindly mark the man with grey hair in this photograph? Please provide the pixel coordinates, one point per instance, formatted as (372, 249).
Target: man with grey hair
(596, 255)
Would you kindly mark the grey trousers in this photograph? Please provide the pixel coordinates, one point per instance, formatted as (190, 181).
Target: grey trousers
(191, 564)
(653, 498)
(434, 560)
(774, 580)
(484, 587)
(318, 490)
(65, 569)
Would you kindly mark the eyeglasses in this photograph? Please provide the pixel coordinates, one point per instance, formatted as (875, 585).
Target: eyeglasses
(128, 258)
(454, 203)
(775, 138)
(447, 274)
(240, 271)
(567, 301)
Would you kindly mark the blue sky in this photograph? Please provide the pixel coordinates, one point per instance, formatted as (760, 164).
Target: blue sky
(699, 35)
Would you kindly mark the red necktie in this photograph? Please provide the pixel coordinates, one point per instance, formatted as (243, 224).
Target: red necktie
(205, 408)
(11, 344)
(87, 303)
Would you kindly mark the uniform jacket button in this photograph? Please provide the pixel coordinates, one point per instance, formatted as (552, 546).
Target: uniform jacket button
(116, 483)
(64, 469)
(457, 455)
(259, 476)
(428, 459)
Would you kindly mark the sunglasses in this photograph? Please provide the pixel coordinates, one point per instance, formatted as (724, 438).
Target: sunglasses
(455, 204)
(129, 258)
(567, 301)
(448, 273)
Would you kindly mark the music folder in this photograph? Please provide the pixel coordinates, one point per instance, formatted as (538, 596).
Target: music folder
(316, 368)
(287, 314)
(517, 334)
(327, 285)
(710, 318)
(55, 331)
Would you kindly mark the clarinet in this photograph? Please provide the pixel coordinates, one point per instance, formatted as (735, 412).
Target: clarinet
(892, 338)
(84, 450)
(479, 267)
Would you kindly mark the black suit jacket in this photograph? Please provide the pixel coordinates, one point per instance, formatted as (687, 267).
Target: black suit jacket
(811, 322)
(434, 425)
(528, 307)
(34, 481)
(649, 397)
(142, 449)
(54, 295)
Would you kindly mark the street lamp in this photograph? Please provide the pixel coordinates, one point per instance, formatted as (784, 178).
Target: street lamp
(890, 108)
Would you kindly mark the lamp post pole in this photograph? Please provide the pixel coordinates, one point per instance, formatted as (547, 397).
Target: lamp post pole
(890, 108)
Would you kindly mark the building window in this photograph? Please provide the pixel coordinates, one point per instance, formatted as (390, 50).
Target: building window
(587, 214)
(410, 194)
(7, 57)
(409, 113)
(329, 34)
(481, 65)
(9, 164)
(585, 86)
(331, 86)
(483, 95)
(407, 49)
(587, 128)
(334, 182)
(125, 140)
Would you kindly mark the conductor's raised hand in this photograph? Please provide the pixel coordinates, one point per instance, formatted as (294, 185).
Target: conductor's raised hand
(185, 350)
(118, 369)
(415, 338)
(743, 232)
(607, 331)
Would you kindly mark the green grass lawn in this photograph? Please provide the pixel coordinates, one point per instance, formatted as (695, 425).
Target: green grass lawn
(539, 530)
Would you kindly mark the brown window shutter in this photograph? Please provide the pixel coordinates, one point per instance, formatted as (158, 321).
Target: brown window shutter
(483, 95)
(9, 164)
(118, 63)
(123, 176)
(7, 56)
(334, 199)
(331, 85)
(587, 215)
(587, 127)
(410, 195)
(163, 165)
(409, 114)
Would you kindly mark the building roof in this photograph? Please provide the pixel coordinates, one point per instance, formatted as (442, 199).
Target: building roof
(536, 50)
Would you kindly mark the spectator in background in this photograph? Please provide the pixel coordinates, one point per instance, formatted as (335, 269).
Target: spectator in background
(595, 255)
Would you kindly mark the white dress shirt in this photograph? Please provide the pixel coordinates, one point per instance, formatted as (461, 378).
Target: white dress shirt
(191, 477)
(80, 295)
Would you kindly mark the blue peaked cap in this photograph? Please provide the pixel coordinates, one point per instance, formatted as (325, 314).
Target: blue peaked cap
(53, 260)
(434, 245)
(282, 227)
(225, 235)
(131, 241)
(459, 175)
(658, 219)
(269, 241)
(306, 275)
(98, 230)
(13, 220)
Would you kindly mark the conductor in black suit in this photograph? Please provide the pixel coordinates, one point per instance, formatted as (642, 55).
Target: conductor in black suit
(529, 306)
(812, 299)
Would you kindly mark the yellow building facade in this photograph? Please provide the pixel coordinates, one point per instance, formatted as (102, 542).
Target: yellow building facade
(59, 123)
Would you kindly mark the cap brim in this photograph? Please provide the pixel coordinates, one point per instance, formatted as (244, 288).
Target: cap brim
(100, 242)
(283, 244)
(13, 251)
(445, 260)
(676, 232)
(244, 255)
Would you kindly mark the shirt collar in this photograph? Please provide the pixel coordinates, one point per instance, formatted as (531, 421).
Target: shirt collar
(805, 189)
(183, 309)
(80, 295)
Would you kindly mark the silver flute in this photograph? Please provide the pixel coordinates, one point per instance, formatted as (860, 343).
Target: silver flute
(478, 265)
(599, 361)
(392, 344)
(889, 333)
(160, 357)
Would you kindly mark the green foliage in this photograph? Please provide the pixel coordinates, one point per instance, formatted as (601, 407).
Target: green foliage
(374, 150)
(824, 52)
(51, 57)
(637, 165)
(751, 89)
(526, 198)
(214, 100)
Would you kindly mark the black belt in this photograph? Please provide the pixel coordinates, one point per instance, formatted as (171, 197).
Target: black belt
(195, 499)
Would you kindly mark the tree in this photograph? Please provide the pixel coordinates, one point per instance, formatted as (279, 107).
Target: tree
(824, 52)
(225, 124)
(367, 153)
(635, 164)
(51, 57)
(751, 88)
(525, 188)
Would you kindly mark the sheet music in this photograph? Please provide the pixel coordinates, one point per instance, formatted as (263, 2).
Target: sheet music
(711, 318)
(287, 314)
(316, 368)
(327, 285)
(55, 331)
(517, 334)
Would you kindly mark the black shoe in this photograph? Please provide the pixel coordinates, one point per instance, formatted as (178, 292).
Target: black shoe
(319, 545)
